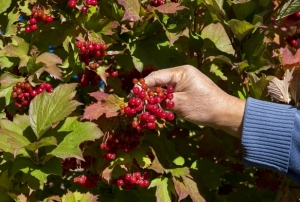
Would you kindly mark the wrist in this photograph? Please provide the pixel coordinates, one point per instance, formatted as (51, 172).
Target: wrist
(229, 116)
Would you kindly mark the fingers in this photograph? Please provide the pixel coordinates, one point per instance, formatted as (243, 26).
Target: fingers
(164, 77)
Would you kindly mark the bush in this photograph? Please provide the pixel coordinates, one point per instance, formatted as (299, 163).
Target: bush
(71, 130)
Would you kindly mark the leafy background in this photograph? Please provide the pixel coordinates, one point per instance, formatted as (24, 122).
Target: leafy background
(242, 45)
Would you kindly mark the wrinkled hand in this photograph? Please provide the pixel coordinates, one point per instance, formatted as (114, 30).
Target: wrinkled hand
(199, 100)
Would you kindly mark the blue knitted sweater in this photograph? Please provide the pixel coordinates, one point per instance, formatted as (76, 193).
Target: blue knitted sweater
(271, 137)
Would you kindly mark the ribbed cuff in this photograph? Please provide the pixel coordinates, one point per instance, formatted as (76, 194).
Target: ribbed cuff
(267, 131)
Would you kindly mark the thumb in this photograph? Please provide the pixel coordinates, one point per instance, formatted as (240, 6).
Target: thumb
(164, 77)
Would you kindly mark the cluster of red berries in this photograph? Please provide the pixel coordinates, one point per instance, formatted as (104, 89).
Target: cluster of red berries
(112, 73)
(37, 15)
(87, 181)
(157, 3)
(89, 77)
(23, 92)
(130, 180)
(146, 102)
(85, 8)
(123, 140)
(91, 53)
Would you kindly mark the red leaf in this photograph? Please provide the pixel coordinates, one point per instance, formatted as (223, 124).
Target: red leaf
(94, 111)
(192, 189)
(107, 104)
(170, 8)
(99, 95)
(289, 60)
(181, 189)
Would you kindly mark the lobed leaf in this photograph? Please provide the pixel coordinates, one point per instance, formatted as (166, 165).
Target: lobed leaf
(132, 9)
(108, 106)
(49, 108)
(19, 48)
(162, 193)
(70, 135)
(50, 62)
(289, 60)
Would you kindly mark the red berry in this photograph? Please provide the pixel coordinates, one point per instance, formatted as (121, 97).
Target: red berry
(114, 74)
(33, 27)
(170, 104)
(120, 183)
(72, 3)
(170, 116)
(135, 124)
(151, 125)
(170, 89)
(33, 93)
(128, 177)
(32, 21)
(84, 9)
(49, 19)
(103, 47)
(27, 29)
(136, 90)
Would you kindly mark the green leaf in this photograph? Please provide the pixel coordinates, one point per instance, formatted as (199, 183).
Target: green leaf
(240, 28)
(216, 69)
(4, 5)
(162, 193)
(217, 34)
(12, 28)
(290, 7)
(15, 140)
(179, 172)
(49, 108)
(5, 179)
(140, 155)
(69, 197)
(258, 86)
(5, 62)
(244, 9)
(70, 134)
(34, 174)
(7, 81)
(132, 9)
(8, 125)
(46, 141)
(19, 48)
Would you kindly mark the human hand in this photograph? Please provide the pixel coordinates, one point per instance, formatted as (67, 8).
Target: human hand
(199, 100)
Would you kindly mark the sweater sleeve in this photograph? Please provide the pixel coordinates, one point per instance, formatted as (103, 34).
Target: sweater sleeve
(271, 137)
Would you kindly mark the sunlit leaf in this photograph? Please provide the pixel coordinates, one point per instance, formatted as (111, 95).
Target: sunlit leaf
(49, 108)
(217, 34)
